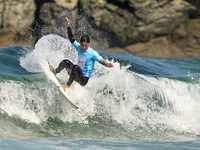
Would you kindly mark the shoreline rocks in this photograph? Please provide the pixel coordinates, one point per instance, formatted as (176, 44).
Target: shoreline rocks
(165, 28)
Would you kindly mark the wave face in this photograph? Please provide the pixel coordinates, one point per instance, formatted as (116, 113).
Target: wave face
(140, 98)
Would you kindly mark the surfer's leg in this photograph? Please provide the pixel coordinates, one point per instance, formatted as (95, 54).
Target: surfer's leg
(78, 76)
(68, 65)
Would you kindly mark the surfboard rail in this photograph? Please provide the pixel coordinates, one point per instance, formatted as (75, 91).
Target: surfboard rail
(55, 80)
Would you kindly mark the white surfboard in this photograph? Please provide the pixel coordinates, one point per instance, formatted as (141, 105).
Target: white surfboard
(55, 80)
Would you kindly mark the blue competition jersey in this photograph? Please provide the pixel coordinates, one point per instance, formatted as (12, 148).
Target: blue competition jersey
(86, 59)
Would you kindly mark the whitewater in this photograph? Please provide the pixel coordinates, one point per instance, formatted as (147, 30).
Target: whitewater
(140, 103)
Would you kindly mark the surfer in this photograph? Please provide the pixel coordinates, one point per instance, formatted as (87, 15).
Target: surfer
(86, 59)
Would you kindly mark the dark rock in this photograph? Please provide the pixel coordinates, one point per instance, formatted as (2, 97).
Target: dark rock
(164, 28)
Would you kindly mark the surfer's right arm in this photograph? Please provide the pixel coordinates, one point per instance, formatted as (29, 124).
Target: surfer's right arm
(69, 31)
(105, 63)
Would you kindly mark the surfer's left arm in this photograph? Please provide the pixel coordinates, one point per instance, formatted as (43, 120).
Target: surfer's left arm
(105, 63)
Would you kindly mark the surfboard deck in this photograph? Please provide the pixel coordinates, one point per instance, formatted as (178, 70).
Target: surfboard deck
(55, 80)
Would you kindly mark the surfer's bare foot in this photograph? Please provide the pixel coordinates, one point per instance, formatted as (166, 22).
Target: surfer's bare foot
(65, 87)
(52, 68)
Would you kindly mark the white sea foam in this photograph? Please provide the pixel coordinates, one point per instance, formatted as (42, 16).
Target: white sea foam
(138, 102)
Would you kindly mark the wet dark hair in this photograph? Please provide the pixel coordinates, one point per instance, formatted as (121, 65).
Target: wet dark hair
(85, 39)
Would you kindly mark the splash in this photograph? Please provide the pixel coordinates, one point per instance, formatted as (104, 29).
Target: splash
(50, 46)
(147, 106)
(117, 102)
(56, 48)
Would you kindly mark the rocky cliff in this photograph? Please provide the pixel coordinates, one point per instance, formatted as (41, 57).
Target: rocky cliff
(155, 28)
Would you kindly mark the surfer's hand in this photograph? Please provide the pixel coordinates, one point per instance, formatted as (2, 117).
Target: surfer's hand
(65, 87)
(68, 23)
(109, 65)
(105, 63)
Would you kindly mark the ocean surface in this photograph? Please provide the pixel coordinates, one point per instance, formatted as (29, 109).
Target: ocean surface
(140, 103)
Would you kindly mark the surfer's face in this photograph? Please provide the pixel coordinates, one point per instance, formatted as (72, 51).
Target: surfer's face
(84, 46)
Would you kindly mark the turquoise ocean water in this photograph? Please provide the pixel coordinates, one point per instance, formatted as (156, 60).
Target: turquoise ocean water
(141, 103)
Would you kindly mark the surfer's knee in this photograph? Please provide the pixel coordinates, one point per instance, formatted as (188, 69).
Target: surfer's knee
(66, 61)
(76, 67)
(75, 70)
